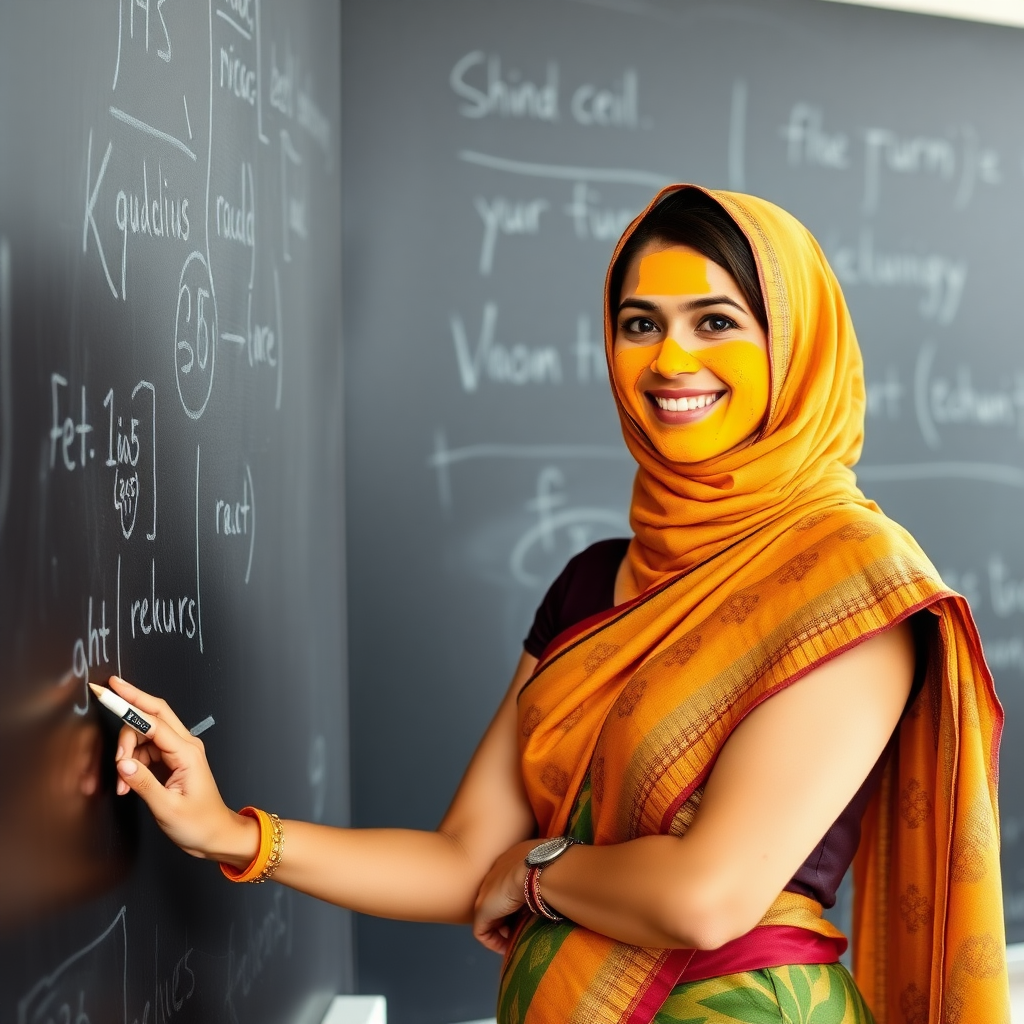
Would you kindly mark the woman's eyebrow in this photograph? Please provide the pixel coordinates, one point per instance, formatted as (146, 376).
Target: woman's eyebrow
(712, 300)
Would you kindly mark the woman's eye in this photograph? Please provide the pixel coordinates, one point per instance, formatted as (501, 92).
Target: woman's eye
(717, 323)
(640, 325)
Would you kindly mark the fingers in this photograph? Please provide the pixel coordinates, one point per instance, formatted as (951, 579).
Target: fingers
(136, 776)
(494, 935)
(153, 706)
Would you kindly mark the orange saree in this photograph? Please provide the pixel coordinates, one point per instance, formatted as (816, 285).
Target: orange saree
(748, 571)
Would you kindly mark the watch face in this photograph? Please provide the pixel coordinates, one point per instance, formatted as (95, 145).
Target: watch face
(547, 852)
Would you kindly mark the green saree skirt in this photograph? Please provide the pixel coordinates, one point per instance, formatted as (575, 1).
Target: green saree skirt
(776, 995)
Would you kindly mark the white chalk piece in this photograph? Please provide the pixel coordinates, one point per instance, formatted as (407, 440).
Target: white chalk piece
(357, 1010)
(200, 727)
(128, 713)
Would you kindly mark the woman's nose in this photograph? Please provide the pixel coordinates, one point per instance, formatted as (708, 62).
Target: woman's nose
(673, 359)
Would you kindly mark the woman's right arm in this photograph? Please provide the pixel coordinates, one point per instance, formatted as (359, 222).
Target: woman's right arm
(398, 873)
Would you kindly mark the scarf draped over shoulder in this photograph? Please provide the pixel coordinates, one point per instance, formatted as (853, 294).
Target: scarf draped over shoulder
(746, 572)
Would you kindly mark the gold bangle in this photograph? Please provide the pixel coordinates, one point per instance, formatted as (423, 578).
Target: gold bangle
(268, 857)
(276, 849)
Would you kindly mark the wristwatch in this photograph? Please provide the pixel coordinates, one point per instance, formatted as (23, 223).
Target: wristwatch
(537, 859)
(549, 850)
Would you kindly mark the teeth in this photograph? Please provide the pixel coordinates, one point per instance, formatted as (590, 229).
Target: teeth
(686, 404)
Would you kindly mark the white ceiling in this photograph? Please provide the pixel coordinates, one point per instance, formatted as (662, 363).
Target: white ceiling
(999, 12)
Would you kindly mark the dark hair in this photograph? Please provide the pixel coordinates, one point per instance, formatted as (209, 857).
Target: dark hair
(689, 217)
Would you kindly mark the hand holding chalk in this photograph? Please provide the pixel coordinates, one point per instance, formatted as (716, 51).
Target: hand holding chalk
(187, 806)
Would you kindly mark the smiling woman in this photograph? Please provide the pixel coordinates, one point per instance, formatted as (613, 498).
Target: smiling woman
(662, 805)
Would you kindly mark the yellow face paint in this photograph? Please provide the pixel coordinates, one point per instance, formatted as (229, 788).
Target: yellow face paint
(742, 366)
(673, 272)
(673, 359)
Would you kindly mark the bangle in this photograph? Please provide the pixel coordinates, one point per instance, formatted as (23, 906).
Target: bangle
(268, 857)
(534, 900)
(531, 903)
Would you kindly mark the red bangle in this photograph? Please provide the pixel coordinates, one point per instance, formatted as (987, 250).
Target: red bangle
(528, 893)
(534, 899)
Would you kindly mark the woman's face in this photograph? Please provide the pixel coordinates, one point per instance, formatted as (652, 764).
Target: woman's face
(690, 359)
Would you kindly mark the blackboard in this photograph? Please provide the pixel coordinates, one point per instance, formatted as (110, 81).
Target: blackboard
(493, 152)
(170, 491)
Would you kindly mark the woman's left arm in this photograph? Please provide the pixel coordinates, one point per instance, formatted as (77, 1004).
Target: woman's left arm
(781, 780)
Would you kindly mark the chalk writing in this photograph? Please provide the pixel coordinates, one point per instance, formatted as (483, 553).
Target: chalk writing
(172, 991)
(236, 77)
(928, 156)
(89, 986)
(509, 95)
(591, 364)
(124, 449)
(614, 106)
(237, 221)
(737, 150)
(884, 397)
(262, 943)
(66, 435)
(443, 458)
(939, 278)
(293, 195)
(576, 524)
(942, 401)
(592, 221)
(163, 216)
(505, 217)
(1007, 594)
(517, 364)
(807, 142)
(162, 613)
(237, 518)
(92, 191)
(90, 652)
(195, 334)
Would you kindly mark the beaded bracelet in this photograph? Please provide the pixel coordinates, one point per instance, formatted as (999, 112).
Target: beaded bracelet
(267, 859)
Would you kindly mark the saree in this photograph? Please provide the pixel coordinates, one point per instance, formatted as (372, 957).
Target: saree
(747, 572)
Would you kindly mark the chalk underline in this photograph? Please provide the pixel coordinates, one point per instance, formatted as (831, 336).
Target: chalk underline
(1010, 476)
(609, 175)
(148, 129)
(987, 472)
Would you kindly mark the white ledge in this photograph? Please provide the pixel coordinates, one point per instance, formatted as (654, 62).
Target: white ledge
(995, 12)
(357, 1010)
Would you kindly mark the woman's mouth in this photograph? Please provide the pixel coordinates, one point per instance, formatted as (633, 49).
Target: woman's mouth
(683, 406)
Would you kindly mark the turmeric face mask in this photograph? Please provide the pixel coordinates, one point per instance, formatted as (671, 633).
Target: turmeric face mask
(695, 398)
(716, 424)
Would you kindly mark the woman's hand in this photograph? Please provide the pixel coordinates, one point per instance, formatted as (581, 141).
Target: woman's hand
(185, 800)
(501, 894)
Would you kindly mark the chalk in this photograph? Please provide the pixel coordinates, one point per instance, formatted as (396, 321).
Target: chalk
(128, 713)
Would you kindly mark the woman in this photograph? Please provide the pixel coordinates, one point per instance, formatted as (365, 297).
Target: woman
(767, 656)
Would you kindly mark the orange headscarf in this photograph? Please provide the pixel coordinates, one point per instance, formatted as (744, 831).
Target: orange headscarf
(812, 434)
(750, 570)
